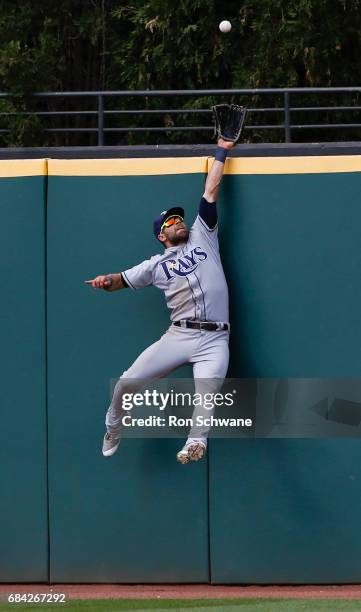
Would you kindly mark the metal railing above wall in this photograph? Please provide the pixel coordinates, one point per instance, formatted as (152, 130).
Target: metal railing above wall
(286, 114)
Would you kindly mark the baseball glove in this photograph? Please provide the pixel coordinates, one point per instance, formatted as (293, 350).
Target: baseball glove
(228, 121)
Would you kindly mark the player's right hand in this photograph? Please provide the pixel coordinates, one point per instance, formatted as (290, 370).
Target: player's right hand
(100, 282)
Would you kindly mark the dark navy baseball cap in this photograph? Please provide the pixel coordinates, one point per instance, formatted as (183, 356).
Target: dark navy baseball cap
(176, 211)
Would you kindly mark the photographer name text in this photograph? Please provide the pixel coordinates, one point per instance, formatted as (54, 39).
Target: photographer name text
(175, 421)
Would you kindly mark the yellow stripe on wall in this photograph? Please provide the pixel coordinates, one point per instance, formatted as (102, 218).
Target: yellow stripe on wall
(179, 165)
(127, 167)
(305, 164)
(23, 167)
(310, 164)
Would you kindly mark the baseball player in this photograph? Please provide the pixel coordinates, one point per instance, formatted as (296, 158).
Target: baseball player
(190, 273)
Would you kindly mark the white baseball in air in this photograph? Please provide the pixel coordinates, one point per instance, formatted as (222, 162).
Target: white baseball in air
(225, 26)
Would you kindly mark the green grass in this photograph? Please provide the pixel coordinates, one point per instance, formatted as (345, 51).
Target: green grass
(196, 605)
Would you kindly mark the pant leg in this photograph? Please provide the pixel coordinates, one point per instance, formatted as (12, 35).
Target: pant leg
(210, 365)
(172, 350)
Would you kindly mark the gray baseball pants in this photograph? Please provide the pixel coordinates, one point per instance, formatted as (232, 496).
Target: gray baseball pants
(208, 352)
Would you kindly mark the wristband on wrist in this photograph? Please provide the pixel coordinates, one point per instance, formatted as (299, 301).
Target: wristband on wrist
(221, 154)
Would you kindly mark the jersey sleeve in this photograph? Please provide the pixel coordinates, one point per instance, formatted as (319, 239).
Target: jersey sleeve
(206, 223)
(208, 213)
(139, 276)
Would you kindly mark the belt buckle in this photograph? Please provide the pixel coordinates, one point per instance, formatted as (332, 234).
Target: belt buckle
(207, 325)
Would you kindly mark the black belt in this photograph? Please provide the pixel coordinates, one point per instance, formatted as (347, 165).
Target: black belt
(206, 325)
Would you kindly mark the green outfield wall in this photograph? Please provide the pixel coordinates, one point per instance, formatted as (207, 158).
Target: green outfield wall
(140, 518)
(292, 255)
(256, 510)
(23, 452)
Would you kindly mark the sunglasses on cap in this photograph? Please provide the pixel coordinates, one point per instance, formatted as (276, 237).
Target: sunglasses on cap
(171, 221)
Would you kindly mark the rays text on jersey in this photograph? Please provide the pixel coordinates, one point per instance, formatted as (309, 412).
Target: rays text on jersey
(183, 265)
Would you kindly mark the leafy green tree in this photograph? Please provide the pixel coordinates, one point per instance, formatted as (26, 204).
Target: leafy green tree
(90, 45)
(48, 47)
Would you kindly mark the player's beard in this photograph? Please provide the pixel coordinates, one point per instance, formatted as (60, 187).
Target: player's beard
(180, 236)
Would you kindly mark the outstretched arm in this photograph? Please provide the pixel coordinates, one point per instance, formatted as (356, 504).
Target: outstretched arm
(216, 172)
(136, 277)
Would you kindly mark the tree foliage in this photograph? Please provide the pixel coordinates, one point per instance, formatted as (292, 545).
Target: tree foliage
(89, 45)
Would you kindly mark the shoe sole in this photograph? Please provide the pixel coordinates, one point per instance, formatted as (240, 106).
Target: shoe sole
(195, 453)
(111, 451)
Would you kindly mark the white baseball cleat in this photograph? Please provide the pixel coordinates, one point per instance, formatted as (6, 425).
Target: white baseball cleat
(110, 444)
(193, 450)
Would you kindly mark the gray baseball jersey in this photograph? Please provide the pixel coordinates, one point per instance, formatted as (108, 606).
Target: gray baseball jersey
(190, 275)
